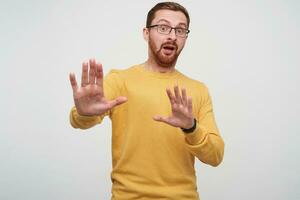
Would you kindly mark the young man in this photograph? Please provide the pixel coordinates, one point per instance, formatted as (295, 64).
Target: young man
(156, 131)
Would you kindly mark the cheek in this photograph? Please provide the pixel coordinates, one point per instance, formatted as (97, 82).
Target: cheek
(181, 44)
(156, 41)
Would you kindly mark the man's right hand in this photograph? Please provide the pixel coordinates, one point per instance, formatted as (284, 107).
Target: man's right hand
(89, 97)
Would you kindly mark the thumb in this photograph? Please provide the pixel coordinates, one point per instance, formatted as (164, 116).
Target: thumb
(161, 119)
(117, 101)
(120, 100)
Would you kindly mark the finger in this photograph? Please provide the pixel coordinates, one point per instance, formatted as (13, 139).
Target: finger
(99, 75)
(92, 71)
(73, 82)
(184, 98)
(117, 101)
(84, 75)
(171, 97)
(190, 105)
(177, 95)
(161, 119)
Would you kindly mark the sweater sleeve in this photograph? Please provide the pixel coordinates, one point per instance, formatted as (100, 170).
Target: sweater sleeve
(111, 86)
(205, 141)
(84, 122)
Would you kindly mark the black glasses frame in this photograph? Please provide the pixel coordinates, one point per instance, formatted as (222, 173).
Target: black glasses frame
(187, 31)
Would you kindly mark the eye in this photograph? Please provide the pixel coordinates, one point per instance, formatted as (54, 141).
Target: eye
(164, 28)
(180, 31)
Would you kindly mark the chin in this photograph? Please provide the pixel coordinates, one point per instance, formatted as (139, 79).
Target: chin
(167, 61)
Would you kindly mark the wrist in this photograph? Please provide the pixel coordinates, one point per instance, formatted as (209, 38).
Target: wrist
(191, 129)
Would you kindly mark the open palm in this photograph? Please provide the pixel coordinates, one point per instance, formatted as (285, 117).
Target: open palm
(182, 110)
(89, 98)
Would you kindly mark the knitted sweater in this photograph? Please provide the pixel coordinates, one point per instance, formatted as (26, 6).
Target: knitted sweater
(150, 159)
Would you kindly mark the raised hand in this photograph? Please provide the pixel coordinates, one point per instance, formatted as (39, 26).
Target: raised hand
(89, 97)
(182, 110)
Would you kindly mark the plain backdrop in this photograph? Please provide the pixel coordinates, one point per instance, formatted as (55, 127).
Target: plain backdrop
(246, 52)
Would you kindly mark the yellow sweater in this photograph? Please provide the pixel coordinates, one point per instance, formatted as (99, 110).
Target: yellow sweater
(153, 160)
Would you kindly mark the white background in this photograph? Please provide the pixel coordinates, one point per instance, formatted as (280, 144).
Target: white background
(247, 52)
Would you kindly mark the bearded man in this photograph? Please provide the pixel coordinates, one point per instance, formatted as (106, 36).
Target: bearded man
(161, 119)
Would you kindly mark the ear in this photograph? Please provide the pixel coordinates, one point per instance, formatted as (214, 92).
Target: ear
(146, 34)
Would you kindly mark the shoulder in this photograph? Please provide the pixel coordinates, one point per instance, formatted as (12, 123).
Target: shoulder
(194, 84)
(198, 90)
(117, 78)
(122, 73)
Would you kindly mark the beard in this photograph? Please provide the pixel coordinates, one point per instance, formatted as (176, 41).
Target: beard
(161, 58)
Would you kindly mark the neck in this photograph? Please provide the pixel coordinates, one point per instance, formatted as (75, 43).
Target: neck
(153, 66)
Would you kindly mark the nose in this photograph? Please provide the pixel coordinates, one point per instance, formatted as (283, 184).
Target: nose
(172, 34)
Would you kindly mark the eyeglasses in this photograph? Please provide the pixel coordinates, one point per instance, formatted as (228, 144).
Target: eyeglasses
(166, 30)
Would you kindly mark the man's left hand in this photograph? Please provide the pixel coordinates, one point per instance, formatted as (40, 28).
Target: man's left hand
(182, 110)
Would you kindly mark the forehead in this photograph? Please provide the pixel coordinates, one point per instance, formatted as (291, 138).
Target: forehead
(174, 18)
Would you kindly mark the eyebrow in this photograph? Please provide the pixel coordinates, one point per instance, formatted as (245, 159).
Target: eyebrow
(164, 20)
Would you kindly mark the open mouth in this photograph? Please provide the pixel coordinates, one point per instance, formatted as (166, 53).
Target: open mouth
(169, 49)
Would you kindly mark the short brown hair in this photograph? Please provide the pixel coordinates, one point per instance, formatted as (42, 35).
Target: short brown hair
(168, 6)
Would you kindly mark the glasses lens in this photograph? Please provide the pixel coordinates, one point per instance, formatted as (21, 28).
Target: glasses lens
(163, 29)
(180, 32)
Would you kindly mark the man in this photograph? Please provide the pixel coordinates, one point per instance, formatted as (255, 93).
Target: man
(156, 131)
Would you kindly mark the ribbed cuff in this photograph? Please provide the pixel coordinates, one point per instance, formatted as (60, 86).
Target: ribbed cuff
(197, 136)
(81, 121)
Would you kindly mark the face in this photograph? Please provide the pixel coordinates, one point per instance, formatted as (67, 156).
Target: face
(165, 49)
